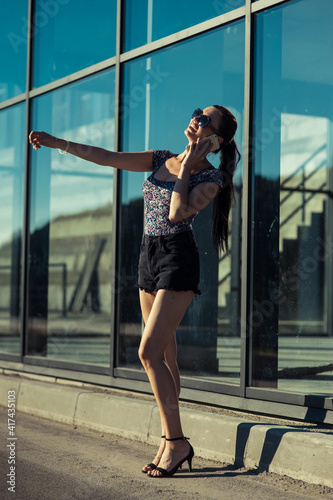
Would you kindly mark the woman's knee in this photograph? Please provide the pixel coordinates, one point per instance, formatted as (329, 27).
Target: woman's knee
(149, 355)
(143, 355)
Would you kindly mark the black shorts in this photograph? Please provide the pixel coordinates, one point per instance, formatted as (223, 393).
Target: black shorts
(169, 262)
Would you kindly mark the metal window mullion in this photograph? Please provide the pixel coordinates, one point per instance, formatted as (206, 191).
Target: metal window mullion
(13, 100)
(246, 203)
(328, 261)
(73, 77)
(116, 201)
(24, 292)
(267, 4)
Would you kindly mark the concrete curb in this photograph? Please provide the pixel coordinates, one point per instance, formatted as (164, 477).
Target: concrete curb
(289, 451)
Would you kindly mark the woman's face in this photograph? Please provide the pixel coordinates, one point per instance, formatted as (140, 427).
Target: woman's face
(194, 131)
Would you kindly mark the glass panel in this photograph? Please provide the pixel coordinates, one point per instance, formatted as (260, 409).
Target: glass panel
(13, 48)
(158, 100)
(71, 35)
(71, 227)
(150, 20)
(292, 276)
(11, 217)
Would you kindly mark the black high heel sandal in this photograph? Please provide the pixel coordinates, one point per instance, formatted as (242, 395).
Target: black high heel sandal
(188, 458)
(151, 465)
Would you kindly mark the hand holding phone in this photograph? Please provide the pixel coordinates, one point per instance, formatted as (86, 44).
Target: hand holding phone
(214, 142)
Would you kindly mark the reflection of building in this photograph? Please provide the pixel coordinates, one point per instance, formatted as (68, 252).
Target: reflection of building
(70, 231)
(303, 215)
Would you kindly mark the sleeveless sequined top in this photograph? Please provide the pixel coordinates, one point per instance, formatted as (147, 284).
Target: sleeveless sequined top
(157, 196)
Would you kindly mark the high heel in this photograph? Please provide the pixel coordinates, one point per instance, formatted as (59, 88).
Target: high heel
(151, 465)
(188, 458)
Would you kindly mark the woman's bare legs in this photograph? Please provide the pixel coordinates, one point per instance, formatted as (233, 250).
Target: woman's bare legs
(165, 315)
(170, 356)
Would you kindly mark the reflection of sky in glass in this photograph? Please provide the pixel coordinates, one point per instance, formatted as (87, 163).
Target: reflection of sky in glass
(13, 48)
(11, 170)
(72, 35)
(294, 77)
(303, 143)
(149, 20)
(161, 92)
(84, 113)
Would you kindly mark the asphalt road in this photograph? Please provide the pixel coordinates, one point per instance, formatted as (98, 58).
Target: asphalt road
(55, 461)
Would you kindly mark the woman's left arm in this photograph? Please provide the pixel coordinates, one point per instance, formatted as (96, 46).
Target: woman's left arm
(183, 204)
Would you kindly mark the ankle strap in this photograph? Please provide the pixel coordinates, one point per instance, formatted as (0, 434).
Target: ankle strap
(176, 439)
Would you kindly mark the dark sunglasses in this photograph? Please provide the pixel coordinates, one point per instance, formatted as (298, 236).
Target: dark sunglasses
(204, 120)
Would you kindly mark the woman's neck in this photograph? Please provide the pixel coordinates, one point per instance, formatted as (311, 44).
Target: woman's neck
(204, 163)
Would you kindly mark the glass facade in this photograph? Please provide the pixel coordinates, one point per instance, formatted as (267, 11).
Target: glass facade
(209, 336)
(149, 20)
(13, 48)
(59, 22)
(11, 224)
(292, 267)
(70, 231)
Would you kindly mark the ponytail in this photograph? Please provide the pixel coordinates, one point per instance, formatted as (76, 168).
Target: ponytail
(229, 158)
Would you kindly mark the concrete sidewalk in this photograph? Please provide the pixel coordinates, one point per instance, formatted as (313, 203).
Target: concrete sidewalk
(297, 450)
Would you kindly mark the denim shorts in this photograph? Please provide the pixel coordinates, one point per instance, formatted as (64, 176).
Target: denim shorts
(169, 262)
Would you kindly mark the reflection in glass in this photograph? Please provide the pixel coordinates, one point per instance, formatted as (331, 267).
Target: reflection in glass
(149, 20)
(11, 218)
(158, 100)
(292, 317)
(71, 227)
(72, 35)
(13, 48)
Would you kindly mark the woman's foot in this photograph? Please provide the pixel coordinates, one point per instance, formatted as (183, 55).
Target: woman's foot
(149, 467)
(174, 453)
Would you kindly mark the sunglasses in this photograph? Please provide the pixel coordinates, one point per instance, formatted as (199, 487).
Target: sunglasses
(204, 120)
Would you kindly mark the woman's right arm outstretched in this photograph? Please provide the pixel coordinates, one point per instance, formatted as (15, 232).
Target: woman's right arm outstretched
(135, 162)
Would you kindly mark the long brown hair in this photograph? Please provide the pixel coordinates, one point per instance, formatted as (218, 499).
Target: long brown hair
(229, 158)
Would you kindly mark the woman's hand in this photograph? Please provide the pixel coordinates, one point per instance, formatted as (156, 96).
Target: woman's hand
(39, 139)
(184, 204)
(195, 153)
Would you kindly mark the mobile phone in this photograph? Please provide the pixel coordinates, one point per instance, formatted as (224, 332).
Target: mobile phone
(214, 141)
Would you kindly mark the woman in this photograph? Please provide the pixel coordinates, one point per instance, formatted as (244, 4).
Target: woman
(177, 189)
